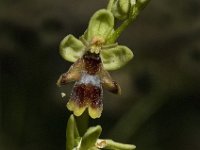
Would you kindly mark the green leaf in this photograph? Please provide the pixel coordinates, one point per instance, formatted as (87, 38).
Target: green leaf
(101, 24)
(71, 133)
(71, 48)
(115, 58)
(90, 137)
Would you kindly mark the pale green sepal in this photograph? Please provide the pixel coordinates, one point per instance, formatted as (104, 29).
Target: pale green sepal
(71, 48)
(71, 133)
(115, 58)
(90, 137)
(101, 24)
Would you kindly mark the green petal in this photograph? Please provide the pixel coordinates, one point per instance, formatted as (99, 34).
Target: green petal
(115, 58)
(101, 24)
(71, 48)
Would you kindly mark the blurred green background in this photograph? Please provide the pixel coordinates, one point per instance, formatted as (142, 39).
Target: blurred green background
(160, 104)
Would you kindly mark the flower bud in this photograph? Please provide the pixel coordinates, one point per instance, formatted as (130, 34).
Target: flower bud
(121, 8)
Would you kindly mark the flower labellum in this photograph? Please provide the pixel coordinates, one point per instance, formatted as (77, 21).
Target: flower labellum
(90, 76)
(92, 56)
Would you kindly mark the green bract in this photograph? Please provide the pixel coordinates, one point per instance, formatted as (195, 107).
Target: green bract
(101, 24)
(71, 48)
(115, 58)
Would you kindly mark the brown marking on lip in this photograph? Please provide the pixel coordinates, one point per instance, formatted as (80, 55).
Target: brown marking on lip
(87, 94)
(92, 63)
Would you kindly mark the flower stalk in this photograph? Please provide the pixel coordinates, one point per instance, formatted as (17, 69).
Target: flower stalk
(94, 54)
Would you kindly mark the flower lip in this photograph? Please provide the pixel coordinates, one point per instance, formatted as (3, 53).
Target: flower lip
(86, 96)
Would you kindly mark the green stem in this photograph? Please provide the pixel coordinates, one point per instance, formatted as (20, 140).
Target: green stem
(119, 30)
(110, 4)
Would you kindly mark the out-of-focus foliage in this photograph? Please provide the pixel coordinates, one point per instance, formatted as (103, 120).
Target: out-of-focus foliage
(160, 104)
